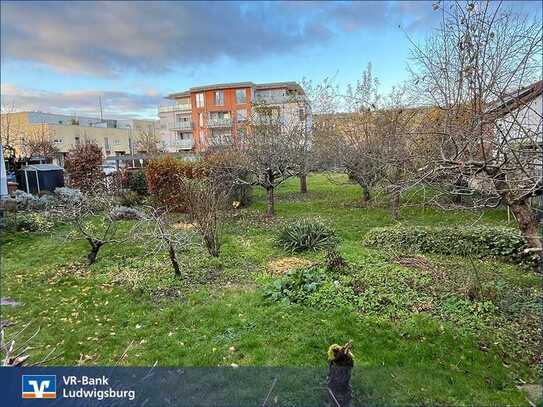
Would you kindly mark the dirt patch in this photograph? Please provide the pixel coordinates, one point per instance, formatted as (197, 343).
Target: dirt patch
(415, 262)
(285, 264)
(183, 226)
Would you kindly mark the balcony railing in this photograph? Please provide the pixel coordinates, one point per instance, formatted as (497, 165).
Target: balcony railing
(183, 144)
(175, 108)
(219, 123)
(277, 99)
(221, 140)
(181, 125)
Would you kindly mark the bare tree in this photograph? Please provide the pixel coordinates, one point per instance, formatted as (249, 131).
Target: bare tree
(38, 141)
(474, 69)
(269, 154)
(366, 134)
(148, 140)
(10, 132)
(92, 215)
(157, 232)
(205, 200)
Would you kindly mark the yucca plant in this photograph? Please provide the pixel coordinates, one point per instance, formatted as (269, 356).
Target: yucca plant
(306, 234)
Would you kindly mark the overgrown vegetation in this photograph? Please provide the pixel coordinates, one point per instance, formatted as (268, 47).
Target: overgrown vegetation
(429, 330)
(478, 241)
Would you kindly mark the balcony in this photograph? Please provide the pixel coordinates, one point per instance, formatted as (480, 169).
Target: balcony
(182, 144)
(181, 125)
(215, 123)
(175, 108)
(224, 140)
(267, 99)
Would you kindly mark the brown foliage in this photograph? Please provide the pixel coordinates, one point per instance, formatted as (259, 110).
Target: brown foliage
(163, 176)
(83, 165)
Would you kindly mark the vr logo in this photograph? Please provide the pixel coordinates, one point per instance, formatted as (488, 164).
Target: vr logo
(39, 387)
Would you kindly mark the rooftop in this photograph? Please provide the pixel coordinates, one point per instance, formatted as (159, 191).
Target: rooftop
(218, 86)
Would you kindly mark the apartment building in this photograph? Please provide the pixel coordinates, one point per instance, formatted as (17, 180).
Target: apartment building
(216, 114)
(115, 137)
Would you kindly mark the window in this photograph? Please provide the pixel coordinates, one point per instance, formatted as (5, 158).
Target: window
(241, 96)
(219, 97)
(199, 100)
(201, 119)
(242, 115)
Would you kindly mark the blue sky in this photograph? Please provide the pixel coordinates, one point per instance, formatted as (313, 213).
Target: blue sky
(61, 57)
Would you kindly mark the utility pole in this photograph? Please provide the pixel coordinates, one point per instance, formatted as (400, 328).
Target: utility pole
(100, 103)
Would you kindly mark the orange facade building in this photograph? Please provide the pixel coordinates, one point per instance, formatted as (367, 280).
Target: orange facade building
(216, 114)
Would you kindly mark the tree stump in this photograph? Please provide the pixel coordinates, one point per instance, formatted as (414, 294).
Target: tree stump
(340, 366)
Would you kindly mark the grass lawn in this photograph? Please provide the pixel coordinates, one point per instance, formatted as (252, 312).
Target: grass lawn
(450, 351)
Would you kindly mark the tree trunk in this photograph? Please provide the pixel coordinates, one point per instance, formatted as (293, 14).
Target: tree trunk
(173, 259)
(269, 193)
(212, 245)
(529, 227)
(340, 366)
(365, 194)
(394, 205)
(95, 247)
(303, 183)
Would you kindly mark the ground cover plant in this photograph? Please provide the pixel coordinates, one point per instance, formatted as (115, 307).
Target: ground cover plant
(426, 328)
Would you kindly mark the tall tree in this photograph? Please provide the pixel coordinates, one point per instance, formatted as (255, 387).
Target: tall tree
(475, 69)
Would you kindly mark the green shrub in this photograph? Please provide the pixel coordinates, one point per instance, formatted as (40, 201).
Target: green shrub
(137, 182)
(295, 286)
(130, 199)
(306, 234)
(476, 241)
(28, 222)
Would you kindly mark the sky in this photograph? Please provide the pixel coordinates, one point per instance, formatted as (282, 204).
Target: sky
(61, 57)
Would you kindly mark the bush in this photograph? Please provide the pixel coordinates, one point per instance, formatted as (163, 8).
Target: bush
(163, 180)
(225, 176)
(66, 194)
(129, 198)
(306, 234)
(26, 201)
(476, 241)
(28, 222)
(83, 166)
(137, 182)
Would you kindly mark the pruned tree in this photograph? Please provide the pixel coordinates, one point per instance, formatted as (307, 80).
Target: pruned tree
(205, 201)
(478, 69)
(157, 232)
(92, 216)
(366, 134)
(269, 152)
(83, 166)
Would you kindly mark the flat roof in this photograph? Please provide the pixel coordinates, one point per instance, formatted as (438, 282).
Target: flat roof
(217, 86)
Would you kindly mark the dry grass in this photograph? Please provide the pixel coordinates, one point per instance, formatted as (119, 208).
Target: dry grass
(285, 264)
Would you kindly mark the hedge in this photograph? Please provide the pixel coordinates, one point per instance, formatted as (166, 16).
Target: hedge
(477, 241)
